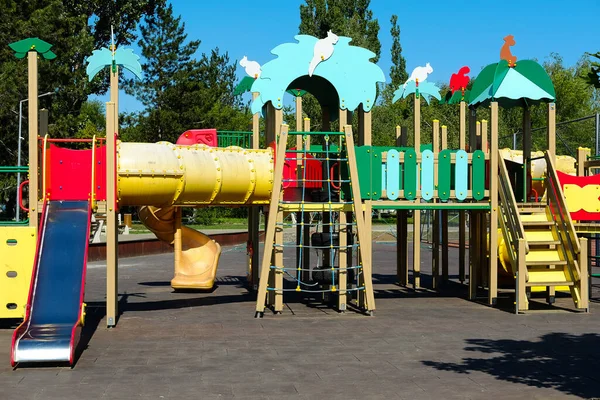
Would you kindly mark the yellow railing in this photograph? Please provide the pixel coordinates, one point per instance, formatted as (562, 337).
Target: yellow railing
(561, 217)
(509, 218)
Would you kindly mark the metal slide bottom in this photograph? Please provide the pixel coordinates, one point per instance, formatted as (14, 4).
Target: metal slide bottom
(53, 318)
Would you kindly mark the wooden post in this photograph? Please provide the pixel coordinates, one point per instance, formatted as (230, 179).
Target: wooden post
(306, 217)
(401, 227)
(462, 218)
(551, 133)
(521, 281)
(526, 151)
(254, 215)
(435, 239)
(112, 246)
(417, 213)
(278, 272)
(583, 258)
(114, 94)
(582, 155)
(265, 270)
(32, 95)
(493, 244)
(444, 224)
(343, 260)
(484, 136)
(363, 235)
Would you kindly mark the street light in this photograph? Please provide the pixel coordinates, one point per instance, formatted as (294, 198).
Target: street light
(19, 151)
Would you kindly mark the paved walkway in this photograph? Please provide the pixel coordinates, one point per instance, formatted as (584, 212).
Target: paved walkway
(418, 346)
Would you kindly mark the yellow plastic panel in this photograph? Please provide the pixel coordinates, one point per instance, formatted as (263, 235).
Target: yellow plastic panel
(550, 256)
(17, 252)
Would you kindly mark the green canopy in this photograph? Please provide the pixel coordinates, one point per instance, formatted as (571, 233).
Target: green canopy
(523, 85)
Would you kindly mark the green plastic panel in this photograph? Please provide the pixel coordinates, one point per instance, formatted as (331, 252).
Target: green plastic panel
(444, 174)
(478, 174)
(363, 162)
(410, 174)
(376, 170)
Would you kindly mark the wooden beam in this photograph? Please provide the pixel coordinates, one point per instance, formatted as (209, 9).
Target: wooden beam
(417, 214)
(34, 170)
(112, 247)
(462, 145)
(363, 236)
(551, 132)
(494, 185)
(265, 271)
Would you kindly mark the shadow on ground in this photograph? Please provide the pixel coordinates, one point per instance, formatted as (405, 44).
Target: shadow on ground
(564, 362)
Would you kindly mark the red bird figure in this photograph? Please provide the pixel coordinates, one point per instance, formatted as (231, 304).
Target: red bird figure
(459, 81)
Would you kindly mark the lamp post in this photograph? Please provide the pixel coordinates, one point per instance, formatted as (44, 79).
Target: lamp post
(19, 152)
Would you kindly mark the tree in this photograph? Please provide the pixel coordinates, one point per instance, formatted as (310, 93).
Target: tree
(593, 76)
(398, 74)
(178, 91)
(351, 18)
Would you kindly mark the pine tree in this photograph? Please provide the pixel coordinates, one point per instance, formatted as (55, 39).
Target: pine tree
(178, 91)
(398, 74)
(351, 18)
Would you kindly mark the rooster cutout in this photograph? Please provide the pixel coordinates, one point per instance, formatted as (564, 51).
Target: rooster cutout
(505, 53)
(322, 51)
(252, 67)
(419, 74)
(459, 81)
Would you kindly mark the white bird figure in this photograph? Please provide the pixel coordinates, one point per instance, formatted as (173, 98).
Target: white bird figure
(323, 50)
(252, 67)
(419, 74)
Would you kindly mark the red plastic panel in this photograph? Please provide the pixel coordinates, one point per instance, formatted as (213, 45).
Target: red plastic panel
(199, 136)
(581, 181)
(70, 173)
(100, 174)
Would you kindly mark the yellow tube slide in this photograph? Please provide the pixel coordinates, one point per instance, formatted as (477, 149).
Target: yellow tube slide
(196, 265)
(162, 176)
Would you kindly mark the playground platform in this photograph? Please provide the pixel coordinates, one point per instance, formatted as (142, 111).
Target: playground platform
(418, 346)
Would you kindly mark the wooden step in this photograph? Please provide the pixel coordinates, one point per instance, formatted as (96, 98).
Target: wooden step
(543, 257)
(548, 277)
(537, 224)
(540, 237)
(537, 217)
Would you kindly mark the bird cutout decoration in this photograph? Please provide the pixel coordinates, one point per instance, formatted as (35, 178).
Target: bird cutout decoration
(126, 58)
(505, 53)
(460, 80)
(323, 50)
(417, 84)
(419, 74)
(252, 68)
(22, 47)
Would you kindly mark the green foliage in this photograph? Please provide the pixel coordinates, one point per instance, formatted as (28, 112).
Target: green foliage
(398, 74)
(180, 92)
(351, 18)
(593, 75)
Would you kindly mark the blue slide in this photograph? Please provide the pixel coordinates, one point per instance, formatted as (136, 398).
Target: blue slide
(53, 318)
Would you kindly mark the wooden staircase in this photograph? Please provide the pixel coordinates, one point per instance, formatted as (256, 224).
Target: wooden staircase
(544, 250)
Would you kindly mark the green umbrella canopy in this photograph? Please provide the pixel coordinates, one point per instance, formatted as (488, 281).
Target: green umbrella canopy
(524, 84)
(456, 97)
(22, 47)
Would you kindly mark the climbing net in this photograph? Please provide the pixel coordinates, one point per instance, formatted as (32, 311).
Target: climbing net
(320, 182)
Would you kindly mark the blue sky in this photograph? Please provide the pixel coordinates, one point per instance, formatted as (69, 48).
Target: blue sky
(447, 34)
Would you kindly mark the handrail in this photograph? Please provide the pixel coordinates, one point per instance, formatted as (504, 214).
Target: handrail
(510, 219)
(21, 205)
(93, 192)
(561, 216)
(44, 166)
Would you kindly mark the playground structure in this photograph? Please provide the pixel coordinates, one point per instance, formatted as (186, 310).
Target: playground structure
(306, 174)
